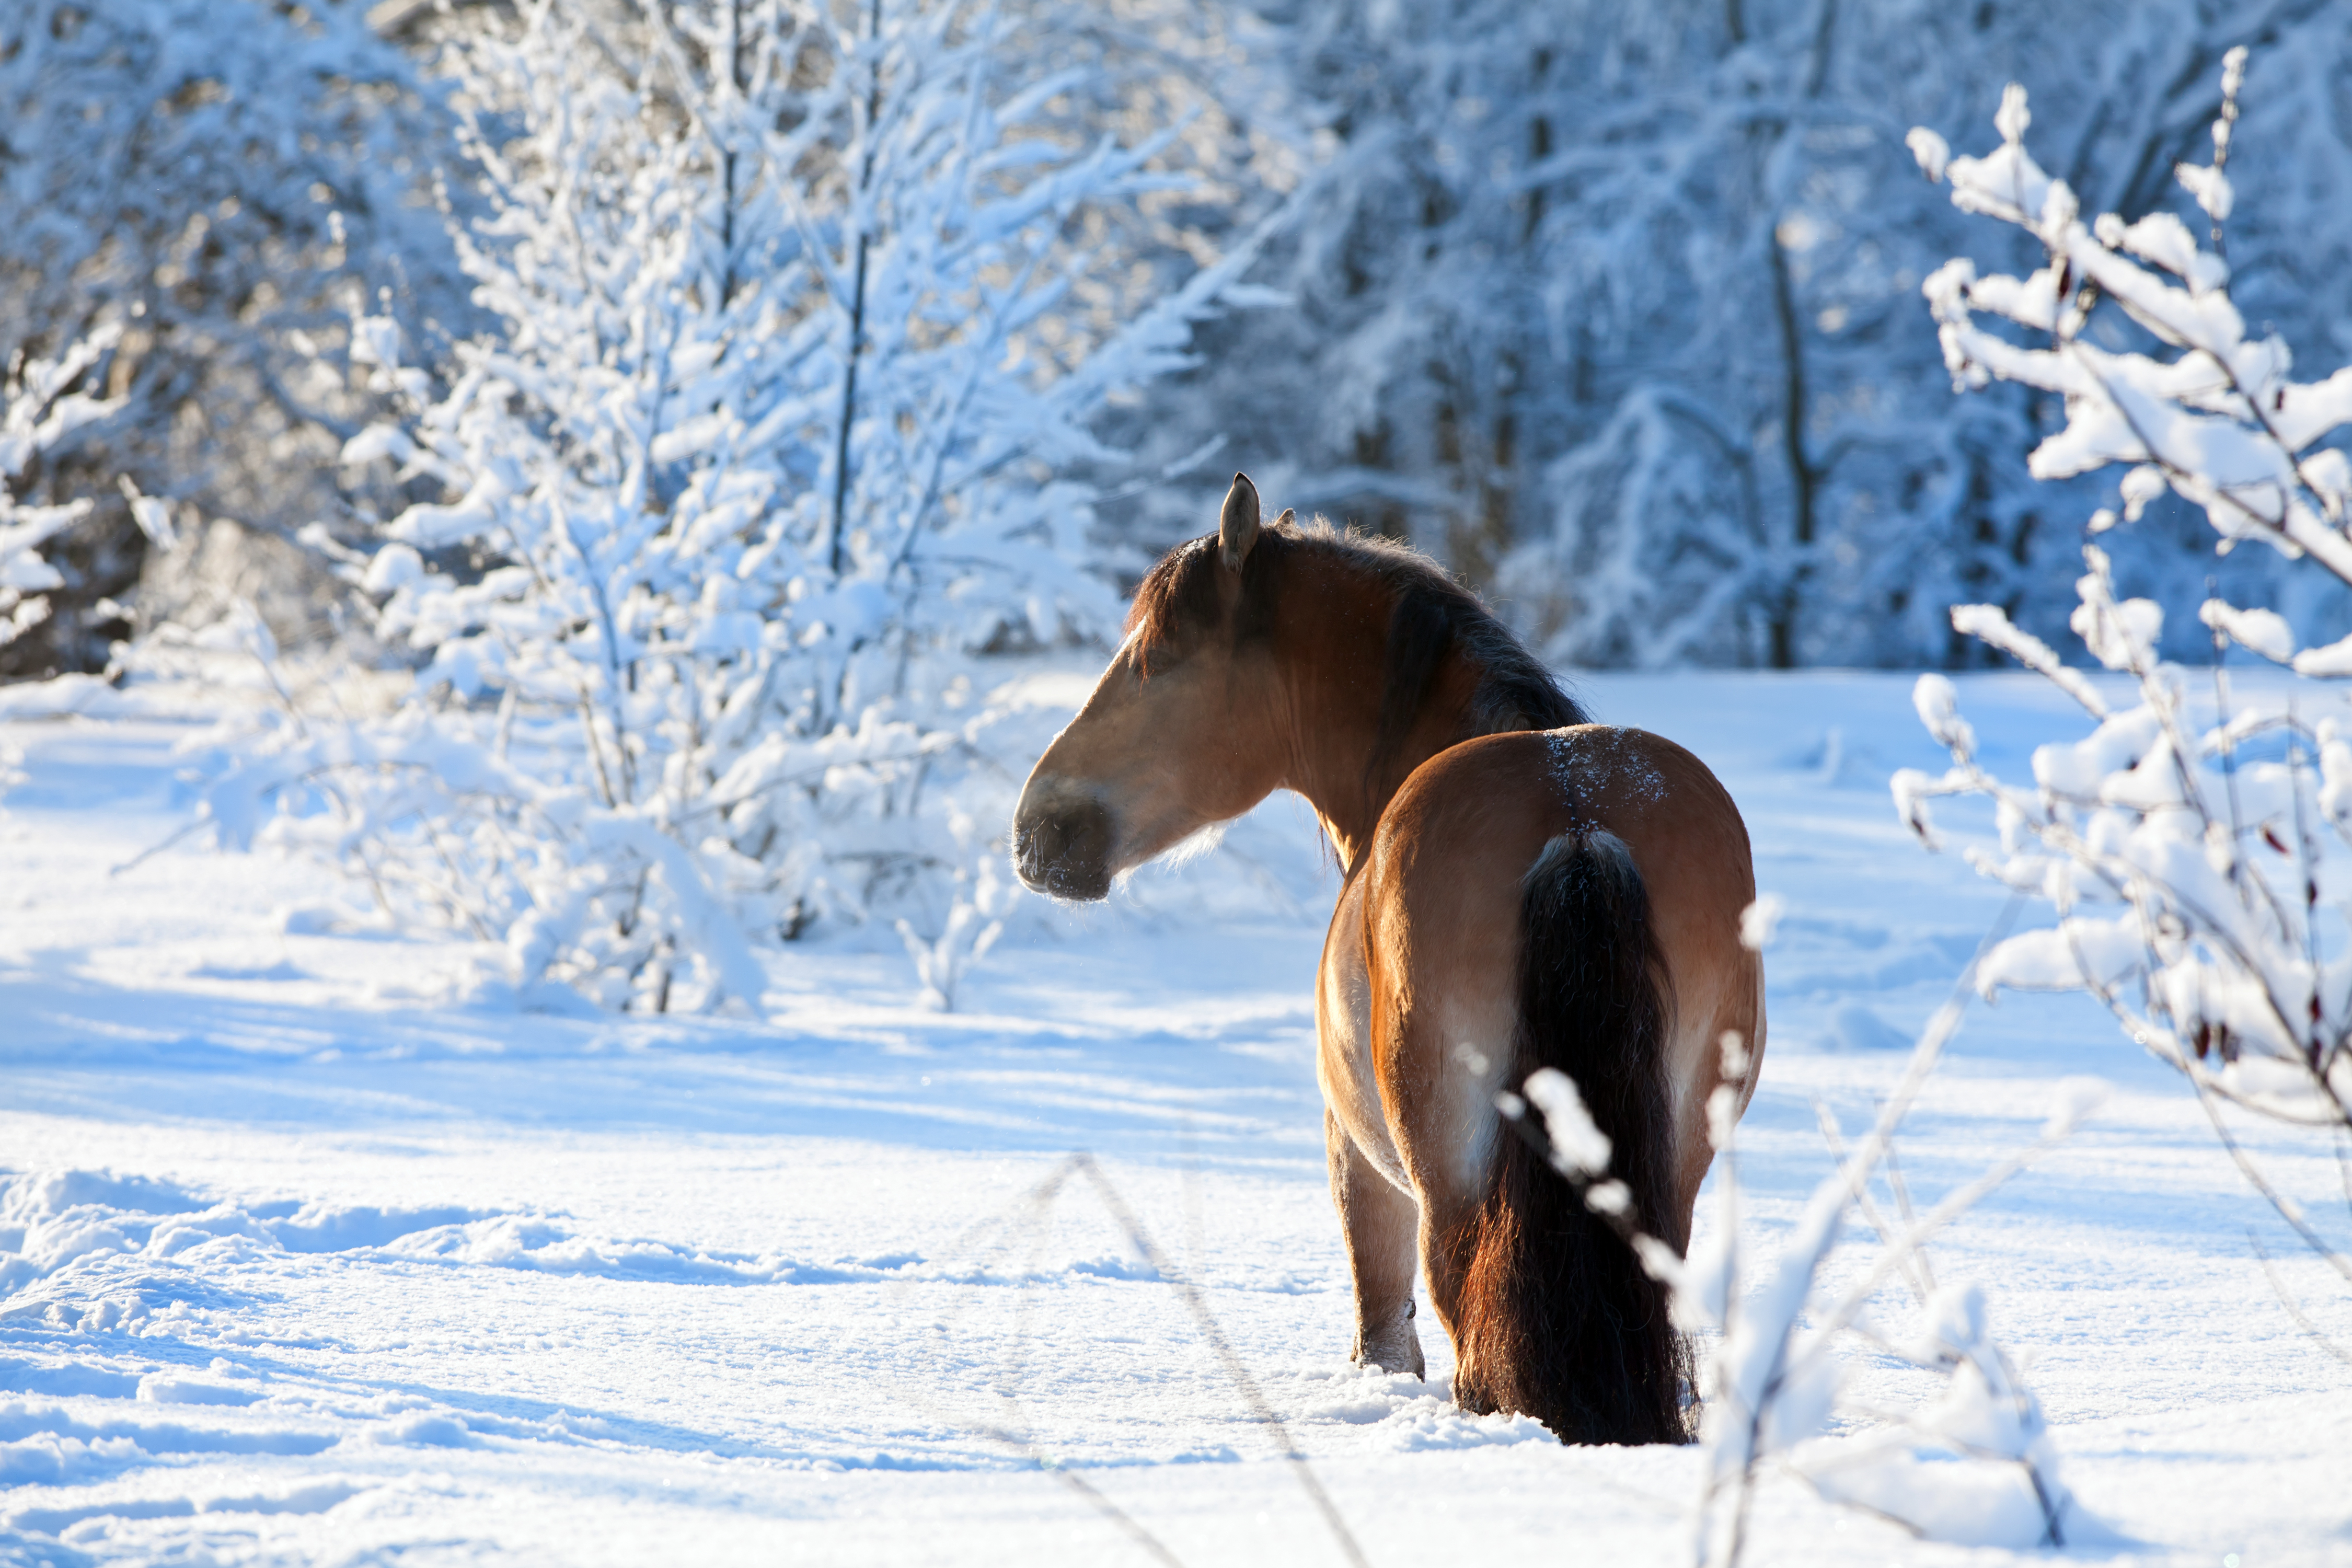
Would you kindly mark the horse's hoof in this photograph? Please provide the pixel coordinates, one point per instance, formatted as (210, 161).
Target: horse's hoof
(1394, 1357)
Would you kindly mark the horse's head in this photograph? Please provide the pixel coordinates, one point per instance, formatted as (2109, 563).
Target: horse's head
(1175, 736)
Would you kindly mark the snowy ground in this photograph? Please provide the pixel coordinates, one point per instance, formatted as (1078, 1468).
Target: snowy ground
(303, 1262)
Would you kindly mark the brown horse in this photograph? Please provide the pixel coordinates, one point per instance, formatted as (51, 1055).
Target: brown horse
(1523, 889)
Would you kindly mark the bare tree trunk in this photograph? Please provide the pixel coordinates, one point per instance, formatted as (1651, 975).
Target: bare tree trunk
(1803, 479)
(856, 303)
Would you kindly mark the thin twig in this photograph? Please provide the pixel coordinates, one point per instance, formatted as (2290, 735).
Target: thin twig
(1210, 1331)
(1903, 1207)
(2344, 1163)
(2294, 1308)
(1870, 1210)
(1942, 1214)
(1030, 1206)
(154, 849)
(2287, 1208)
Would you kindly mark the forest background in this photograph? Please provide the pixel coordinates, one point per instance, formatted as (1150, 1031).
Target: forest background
(1614, 309)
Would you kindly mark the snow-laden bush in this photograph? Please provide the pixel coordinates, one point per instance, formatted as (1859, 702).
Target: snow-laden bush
(759, 466)
(2193, 845)
(203, 178)
(1972, 1464)
(39, 409)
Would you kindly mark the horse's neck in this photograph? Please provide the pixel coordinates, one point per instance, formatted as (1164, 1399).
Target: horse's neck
(1334, 717)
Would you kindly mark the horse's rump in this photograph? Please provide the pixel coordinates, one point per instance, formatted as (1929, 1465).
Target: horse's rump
(1558, 1319)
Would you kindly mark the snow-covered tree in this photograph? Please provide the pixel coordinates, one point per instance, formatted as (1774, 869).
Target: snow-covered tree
(40, 409)
(201, 177)
(762, 458)
(2193, 845)
(1609, 305)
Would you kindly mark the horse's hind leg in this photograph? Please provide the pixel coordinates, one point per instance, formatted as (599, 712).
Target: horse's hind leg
(1382, 1225)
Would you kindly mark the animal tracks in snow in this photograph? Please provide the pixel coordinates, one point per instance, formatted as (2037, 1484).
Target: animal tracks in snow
(317, 1497)
(94, 1251)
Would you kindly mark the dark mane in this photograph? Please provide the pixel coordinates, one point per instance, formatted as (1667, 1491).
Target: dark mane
(1429, 613)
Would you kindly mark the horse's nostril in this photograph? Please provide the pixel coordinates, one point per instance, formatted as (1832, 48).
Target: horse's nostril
(1037, 844)
(1064, 849)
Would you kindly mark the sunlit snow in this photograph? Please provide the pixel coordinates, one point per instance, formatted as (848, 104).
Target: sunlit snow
(303, 1256)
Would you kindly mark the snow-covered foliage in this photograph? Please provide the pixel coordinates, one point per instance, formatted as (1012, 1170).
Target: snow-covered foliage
(1605, 305)
(1972, 1464)
(2216, 418)
(39, 408)
(202, 177)
(761, 459)
(1612, 306)
(2192, 846)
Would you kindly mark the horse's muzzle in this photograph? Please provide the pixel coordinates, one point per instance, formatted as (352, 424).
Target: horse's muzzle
(1062, 840)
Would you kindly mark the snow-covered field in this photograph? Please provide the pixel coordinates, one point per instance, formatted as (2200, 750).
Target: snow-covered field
(302, 1261)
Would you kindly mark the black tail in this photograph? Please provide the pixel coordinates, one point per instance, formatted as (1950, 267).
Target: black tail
(1559, 1320)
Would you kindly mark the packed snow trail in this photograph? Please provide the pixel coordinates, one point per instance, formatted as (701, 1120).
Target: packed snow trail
(306, 1257)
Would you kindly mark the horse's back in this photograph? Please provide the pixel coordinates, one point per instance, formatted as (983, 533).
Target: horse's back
(1498, 796)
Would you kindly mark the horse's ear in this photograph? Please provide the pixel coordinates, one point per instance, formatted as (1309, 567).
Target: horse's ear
(1237, 525)
(1288, 517)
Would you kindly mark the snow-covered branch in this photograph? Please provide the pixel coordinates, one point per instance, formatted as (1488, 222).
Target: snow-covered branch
(2217, 418)
(39, 409)
(2193, 845)
(1773, 1383)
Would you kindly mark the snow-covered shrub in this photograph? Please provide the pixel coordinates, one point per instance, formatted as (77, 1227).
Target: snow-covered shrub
(758, 466)
(39, 410)
(2193, 845)
(202, 178)
(1973, 1464)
